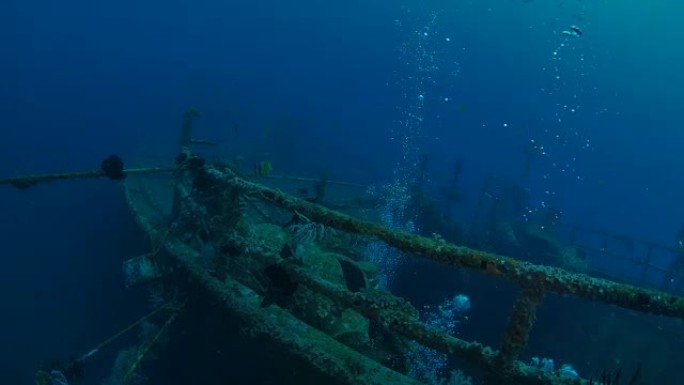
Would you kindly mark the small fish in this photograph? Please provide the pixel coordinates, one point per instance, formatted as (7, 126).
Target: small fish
(280, 285)
(263, 169)
(574, 31)
(286, 252)
(353, 275)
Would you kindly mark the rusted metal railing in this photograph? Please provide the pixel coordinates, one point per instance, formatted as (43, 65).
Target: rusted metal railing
(535, 281)
(547, 278)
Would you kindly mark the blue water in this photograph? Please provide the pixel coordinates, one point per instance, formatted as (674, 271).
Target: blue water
(318, 86)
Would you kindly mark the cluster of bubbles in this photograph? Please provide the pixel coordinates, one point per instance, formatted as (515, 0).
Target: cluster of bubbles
(416, 81)
(393, 214)
(563, 136)
(447, 315)
(428, 365)
(570, 105)
(547, 365)
(565, 72)
(428, 68)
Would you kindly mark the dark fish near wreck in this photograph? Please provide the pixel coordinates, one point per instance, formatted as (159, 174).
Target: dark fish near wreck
(279, 286)
(353, 276)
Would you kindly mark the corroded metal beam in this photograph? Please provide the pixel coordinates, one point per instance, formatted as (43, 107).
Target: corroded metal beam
(24, 182)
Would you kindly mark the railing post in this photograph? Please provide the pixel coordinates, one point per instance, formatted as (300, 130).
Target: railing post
(647, 265)
(184, 148)
(520, 324)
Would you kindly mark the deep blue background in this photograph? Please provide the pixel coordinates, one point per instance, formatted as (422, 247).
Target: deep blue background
(316, 86)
